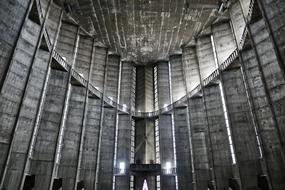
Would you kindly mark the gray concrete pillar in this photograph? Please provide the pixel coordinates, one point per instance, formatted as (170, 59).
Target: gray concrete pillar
(109, 118)
(124, 126)
(177, 79)
(200, 141)
(222, 161)
(166, 148)
(92, 123)
(183, 152)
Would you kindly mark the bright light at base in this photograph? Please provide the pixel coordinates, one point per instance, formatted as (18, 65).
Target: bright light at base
(122, 167)
(168, 167)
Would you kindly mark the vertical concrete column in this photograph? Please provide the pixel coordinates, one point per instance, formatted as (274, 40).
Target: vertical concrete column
(44, 150)
(223, 40)
(274, 80)
(177, 79)
(269, 134)
(190, 65)
(144, 89)
(223, 43)
(165, 125)
(79, 178)
(63, 119)
(219, 138)
(183, 152)
(262, 57)
(74, 117)
(198, 120)
(140, 89)
(19, 78)
(42, 93)
(273, 14)
(149, 97)
(92, 123)
(205, 56)
(50, 122)
(181, 125)
(200, 141)
(124, 126)
(108, 126)
(242, 126)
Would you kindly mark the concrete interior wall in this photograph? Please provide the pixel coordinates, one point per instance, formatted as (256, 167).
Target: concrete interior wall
(54, 126)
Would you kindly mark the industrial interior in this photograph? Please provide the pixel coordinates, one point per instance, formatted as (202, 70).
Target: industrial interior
(142, 95)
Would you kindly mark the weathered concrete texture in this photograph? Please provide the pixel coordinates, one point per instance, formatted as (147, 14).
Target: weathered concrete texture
(124, 125)
(275, 13)
(25, 122)
(190, 64)
(144, 88)
(140, 105)
(166, 149)
(14, 85)
(66, 41)
(123, 150)
(177, 77)
(272, 72)
(98, 71)
(205, 56)
(71, 137)
(126, 83)
(183, 153)
(224, 41)
(109, 125)
(12, 14)
(111, 88)
(52, 21)
(107, 149)
(83, 57)
(267, 128)
(44, 150)
(88, 167)
(219, 137)
(273, 101)
(163, 85)
(243, 132)
(237, 20)
(200, 141)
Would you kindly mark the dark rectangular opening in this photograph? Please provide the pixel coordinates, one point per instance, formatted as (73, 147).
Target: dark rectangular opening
(29, 183)
(57, 184)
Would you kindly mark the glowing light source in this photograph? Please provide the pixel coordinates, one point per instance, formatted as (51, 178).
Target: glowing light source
(145, 187)
(168, 167)
(122, 167)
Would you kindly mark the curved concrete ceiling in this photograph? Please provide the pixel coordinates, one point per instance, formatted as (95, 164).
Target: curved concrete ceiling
(143, 30)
